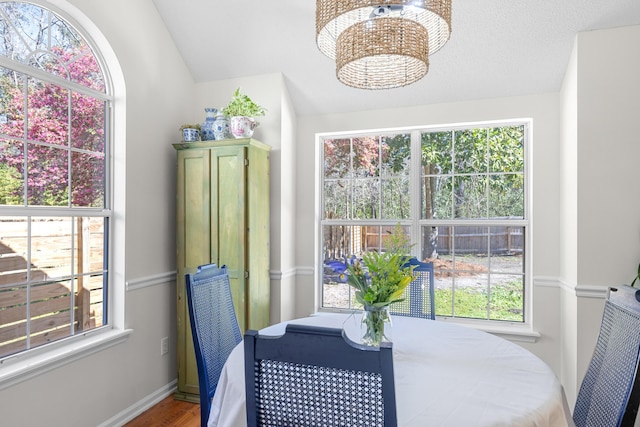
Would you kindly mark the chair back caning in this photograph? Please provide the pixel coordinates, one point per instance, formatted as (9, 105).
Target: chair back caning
(293, 394)
(311, 376)
(214, 327)
(419, 295)
(610, 391)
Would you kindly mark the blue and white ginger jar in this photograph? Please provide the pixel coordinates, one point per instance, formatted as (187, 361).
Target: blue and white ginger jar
(208, 127)
(221, 126)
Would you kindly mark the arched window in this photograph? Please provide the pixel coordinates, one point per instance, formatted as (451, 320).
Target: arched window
(55, 196)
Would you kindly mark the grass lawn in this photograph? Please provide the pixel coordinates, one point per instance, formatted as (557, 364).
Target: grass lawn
(503, 303)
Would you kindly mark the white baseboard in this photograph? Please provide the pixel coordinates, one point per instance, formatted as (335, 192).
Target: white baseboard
(140, 406)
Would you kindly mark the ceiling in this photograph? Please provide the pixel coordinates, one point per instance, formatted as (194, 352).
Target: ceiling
(498, 48)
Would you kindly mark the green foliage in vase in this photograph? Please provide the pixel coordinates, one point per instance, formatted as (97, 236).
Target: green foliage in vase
(242, 105)
(382, 279)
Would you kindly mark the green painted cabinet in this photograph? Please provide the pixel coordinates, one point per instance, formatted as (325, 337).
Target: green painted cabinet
(222, 218)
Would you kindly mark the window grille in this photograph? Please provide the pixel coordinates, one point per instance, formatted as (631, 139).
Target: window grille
(460, 195)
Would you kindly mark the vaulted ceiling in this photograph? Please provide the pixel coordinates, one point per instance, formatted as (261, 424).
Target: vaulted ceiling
(498, 48)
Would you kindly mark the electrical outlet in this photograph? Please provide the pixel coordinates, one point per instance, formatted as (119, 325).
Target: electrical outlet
(164, 346)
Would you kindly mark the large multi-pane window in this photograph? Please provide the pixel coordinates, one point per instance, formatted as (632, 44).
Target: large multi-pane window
(459, 193)
(55, 204)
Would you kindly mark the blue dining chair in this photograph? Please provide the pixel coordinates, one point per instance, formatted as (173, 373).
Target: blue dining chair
(214, 328)
(610, 391)
(419, 295)
(314, 376)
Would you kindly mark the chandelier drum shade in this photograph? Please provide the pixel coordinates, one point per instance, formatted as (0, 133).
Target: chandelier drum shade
(369, 53)
(362, 35)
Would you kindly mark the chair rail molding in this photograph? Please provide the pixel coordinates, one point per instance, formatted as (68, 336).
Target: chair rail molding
(585, 291)
(153, 280)
(546, 282)
(292, 272)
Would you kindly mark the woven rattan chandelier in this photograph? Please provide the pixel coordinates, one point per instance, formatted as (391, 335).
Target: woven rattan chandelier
(381, 44)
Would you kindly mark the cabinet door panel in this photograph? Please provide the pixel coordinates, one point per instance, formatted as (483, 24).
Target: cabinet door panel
(258, 288)
(193, 250)
(228, 210)
(196, 210)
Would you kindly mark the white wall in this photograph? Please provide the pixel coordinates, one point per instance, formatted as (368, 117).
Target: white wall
(156, 88)
(601, 230)
(284, 279)
(608, 153)
(569, 228)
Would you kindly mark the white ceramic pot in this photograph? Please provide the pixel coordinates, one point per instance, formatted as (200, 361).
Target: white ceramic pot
(242, 127)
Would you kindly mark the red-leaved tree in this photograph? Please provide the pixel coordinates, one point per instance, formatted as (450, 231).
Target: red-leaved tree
(63, 130)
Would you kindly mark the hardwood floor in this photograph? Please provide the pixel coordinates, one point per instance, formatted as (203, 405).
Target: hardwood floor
(169, 413)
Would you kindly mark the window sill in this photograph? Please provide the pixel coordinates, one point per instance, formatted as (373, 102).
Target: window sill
(23, 366)
(511, 331)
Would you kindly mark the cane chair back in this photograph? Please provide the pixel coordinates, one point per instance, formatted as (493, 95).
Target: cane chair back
(419, 295)
(214, 328)
(610, 391)
(315, 376)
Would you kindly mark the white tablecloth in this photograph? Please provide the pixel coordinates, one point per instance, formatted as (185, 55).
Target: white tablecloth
(446, 375)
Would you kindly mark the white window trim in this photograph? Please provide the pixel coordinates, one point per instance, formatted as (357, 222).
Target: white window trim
(37, 361)
(32, 363)
(513, 331)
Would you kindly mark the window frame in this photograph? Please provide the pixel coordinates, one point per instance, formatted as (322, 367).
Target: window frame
(30, 363)
(521, 331)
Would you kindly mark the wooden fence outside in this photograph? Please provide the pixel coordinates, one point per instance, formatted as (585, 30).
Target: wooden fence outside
(474, 240)
(44, 302)
(343, 241)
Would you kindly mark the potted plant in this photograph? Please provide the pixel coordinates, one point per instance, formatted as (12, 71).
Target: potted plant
(380, 280)
(241, 111)
(190, 133)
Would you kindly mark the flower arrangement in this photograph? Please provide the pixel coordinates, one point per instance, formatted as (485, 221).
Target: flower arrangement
(384, 280)
(380, 280)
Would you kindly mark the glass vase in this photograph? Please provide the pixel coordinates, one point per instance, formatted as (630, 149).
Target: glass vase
(376, 325)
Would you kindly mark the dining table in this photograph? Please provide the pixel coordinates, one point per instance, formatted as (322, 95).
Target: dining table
(445, 375)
